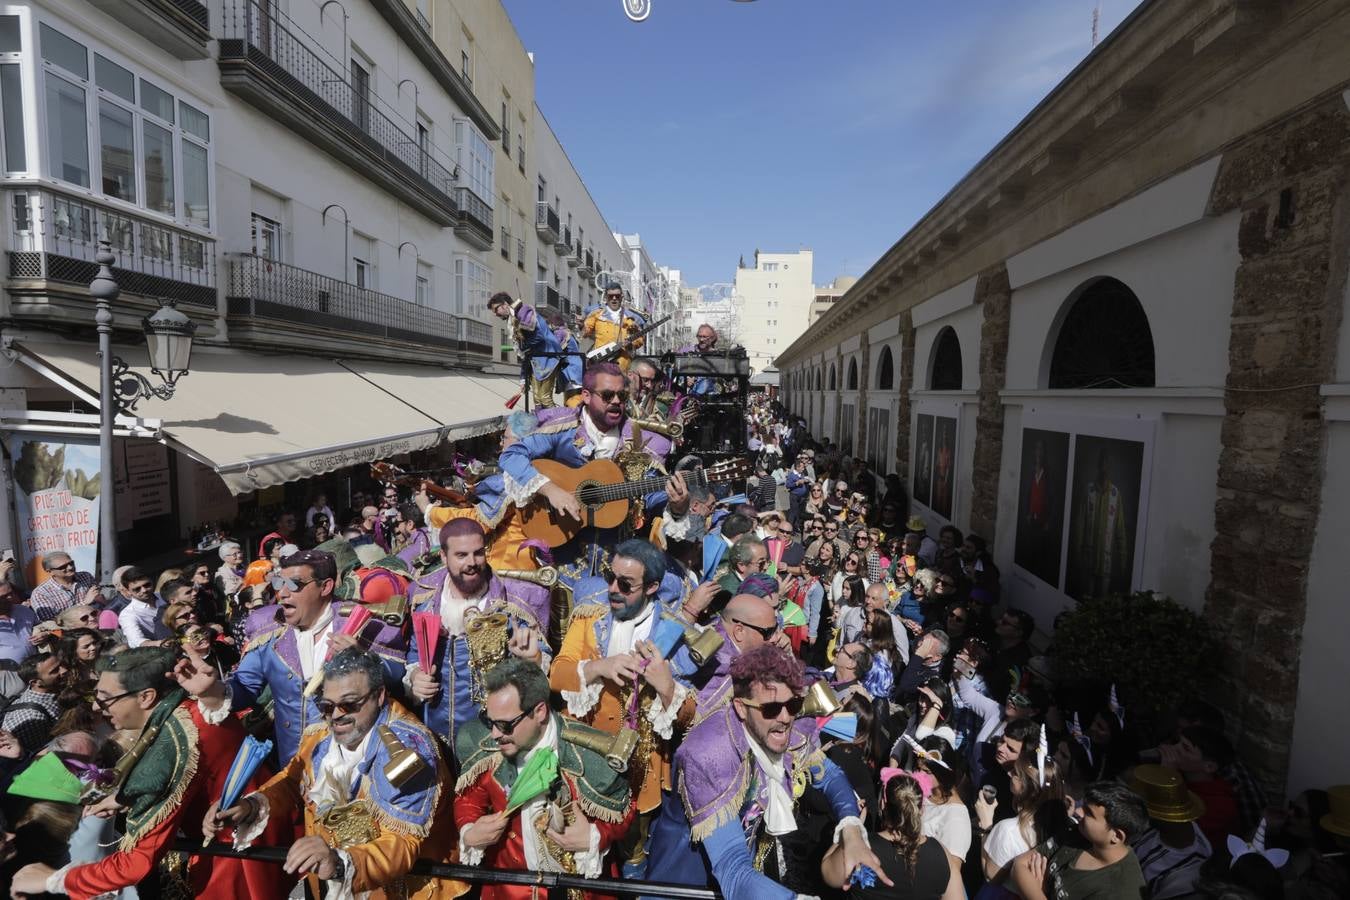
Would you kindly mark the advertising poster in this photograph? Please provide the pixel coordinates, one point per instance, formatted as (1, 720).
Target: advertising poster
(1040, 503)
(944, 465)
(1107, 475)
(923, 461)
(56, 502)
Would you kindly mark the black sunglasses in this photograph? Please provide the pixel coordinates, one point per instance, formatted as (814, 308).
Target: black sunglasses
(103, 703)
(608, 396)
(327, 707)
(505, 726)
(626, 584)
(775, 708)
(765, 632)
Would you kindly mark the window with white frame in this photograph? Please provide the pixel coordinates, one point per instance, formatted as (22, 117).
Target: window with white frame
(422, 289)
(11, 96)
(363, 261)
(150, 147)
(475, 159)
(473, 285)
(266, 237)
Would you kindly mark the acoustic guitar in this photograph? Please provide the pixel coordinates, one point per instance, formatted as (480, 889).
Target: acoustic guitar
(604, 495)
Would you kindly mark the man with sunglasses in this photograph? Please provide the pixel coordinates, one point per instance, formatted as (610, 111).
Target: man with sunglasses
(140, 620)
(611, 323)
(747, 622)
(169, 788)
(363, 828)
(515, 726)
(608, 654)
(536, 345)
(293, 638)
(733, 817)
(63, 588)
(598, 429)
(506, 615)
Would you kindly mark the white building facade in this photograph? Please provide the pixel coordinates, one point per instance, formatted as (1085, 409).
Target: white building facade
(775, 295)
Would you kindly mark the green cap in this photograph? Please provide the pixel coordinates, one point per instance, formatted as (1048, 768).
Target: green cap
(47, 779)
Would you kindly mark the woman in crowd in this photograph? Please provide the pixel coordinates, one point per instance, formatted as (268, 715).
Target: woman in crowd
(886, 664)
(210, 605)
(916, 865)
(1040, 813)
(79, 616)
(79, 649)
(179, 615)
(930, 716)
(230, 576)
(850, 574)
(946, 818)
(815, 500)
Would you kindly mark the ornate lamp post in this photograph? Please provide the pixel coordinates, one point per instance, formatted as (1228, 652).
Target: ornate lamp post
(168, 336)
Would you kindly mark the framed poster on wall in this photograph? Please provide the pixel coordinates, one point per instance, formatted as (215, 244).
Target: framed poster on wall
(944, 465)
(923, 460)
(1082, 504)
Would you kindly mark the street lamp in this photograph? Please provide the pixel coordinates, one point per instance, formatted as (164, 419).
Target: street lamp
(168, 337)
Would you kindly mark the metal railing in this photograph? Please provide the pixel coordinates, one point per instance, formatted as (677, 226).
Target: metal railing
(268, 289)
(554, 884)
(474, 208)
(54, 236)
(251, 32)
(506, 244)
(546, 221)
(545, 294)
(520, 252)
(194, 9)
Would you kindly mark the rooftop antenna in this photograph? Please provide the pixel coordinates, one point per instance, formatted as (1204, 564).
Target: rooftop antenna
(1096, 17)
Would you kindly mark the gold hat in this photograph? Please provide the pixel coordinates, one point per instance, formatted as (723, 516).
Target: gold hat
(1338, 820)
(916, 525)
(1164, 790)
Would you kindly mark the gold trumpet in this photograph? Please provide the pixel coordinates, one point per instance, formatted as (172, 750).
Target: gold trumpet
(821, 700)
(617, 749)
(97, 793)
(702, 645)
(672, 430)
(547, 576)
(404, 764)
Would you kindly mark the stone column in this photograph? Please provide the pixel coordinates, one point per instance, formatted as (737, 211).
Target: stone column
(994, 296)
(1289, 183)
(905, 405)
(860, 414)
(839, 379)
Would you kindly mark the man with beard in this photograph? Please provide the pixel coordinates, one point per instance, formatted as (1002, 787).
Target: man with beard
(168, 789)
(612, 324)
(739, 775)
(363, 826)
(582, 811)
(607, 655)
(483, 618)
(598, 429)
(285, 656)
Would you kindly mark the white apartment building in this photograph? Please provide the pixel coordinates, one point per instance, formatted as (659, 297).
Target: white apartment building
(829, 294)
(310, 182)
(649, 287)
(574, 242)
(775, 295)
(722, 315)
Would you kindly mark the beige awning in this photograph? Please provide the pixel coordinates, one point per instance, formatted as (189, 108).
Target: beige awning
(467, 405)
(259, 420)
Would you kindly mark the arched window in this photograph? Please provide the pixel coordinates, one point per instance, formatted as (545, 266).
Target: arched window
(946, 364)
(852, 374)
(834, 380)
(1104, 341)
(818, 381)
(885, 370)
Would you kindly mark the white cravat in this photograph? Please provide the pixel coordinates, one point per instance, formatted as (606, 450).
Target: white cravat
(453, 607)
(333, 781)
(312, 643)
(624, 635)
(606, 443)
(778, 818)
(530, 811)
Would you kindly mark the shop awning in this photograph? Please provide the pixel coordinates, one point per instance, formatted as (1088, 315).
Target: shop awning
(259, 420)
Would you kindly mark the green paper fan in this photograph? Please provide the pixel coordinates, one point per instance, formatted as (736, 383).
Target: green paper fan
(539, 773)
(47, 779)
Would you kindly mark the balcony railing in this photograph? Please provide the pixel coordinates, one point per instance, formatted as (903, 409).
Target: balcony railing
(563, 242)
(268, 64)
(54, 237)
(178, 27)
(546, 223)
(545, 295)
(520, 253)
(574, 256)
(474, 222)
(506, 244)
(267, 289)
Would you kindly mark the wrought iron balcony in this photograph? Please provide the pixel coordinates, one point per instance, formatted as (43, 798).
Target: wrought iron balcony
(267, 63)
(265, 289)
(546, 223)
(520, 253)
(474, 222)
(574, 256)
(177, 26)
(563, 242)
(546, 296)
(54, 237)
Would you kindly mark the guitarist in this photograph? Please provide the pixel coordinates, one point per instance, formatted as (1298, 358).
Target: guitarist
(598, 429)
(612, 323)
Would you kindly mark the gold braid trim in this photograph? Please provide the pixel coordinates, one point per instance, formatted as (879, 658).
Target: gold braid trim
(594, 811)
(262, 637)
(174, 798)
(590, 611)
(468, 776)
(388, 823)
(727, 812)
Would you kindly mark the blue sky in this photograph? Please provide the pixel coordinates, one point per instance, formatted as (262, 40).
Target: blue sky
(715, 127)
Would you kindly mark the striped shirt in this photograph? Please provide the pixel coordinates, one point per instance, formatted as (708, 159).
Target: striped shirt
(51, 598)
